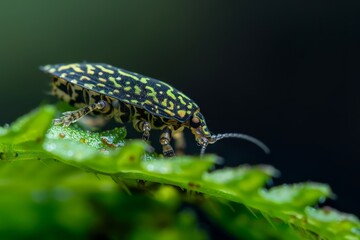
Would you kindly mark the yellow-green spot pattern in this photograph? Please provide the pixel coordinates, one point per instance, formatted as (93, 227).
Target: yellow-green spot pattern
(105, 69)
(143, 80)
(137, 90)
(171, 94)
(128, 75)
(116, 84)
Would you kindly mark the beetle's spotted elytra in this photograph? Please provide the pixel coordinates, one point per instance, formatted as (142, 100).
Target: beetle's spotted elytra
(131, 97)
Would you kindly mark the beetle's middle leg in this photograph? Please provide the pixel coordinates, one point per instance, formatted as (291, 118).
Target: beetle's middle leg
(144, 127)
(72, 116)
(165, 138)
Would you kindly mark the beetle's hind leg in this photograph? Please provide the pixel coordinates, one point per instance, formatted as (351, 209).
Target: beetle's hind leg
(73, 116)
(165, 138)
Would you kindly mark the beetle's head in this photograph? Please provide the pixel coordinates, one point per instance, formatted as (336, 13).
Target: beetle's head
(204, 137)
(199, 129)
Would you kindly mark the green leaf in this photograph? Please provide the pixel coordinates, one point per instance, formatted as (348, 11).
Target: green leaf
(31, 127)
(44, 196)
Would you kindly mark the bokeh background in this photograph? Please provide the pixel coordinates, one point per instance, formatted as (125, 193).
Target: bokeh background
(283, 71)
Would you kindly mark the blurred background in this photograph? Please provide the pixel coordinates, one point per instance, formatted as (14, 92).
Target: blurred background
(285, 72)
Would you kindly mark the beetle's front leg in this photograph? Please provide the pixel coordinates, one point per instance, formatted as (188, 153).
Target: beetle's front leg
(165, 138)
(72, 116)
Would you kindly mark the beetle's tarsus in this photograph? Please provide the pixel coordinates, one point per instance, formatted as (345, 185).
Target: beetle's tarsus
(65, 120)
(168, 153)
(58, 121)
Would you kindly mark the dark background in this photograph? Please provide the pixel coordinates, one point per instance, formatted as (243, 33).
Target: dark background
(285, 71)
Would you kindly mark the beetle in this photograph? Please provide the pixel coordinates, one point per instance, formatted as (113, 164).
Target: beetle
(131, 97)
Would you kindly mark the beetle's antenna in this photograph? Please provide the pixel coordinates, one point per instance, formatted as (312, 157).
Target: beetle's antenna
(257, 142)
(202, 151)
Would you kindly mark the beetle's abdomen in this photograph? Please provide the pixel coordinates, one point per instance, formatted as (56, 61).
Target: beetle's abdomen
(71, 94)
(80, 97)
(122, 112)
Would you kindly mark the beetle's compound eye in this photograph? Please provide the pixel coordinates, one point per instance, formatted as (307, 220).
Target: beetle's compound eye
(195, 122)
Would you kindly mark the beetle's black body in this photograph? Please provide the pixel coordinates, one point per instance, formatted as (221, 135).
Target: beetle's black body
(130, 97)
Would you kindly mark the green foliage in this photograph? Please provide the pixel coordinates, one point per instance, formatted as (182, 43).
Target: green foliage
(66, 182)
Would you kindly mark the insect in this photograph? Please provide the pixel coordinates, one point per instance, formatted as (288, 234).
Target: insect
(131, 97)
